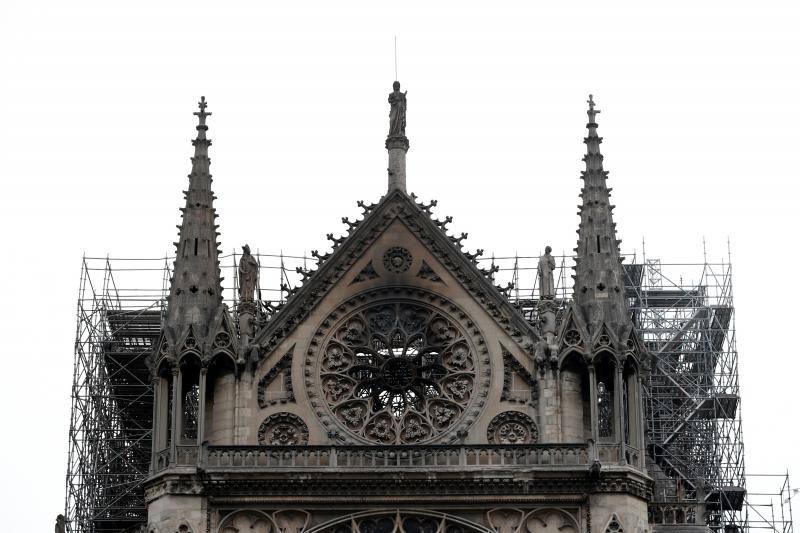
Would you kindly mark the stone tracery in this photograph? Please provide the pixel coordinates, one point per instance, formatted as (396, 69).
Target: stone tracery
(397, 372)
(512, 427)
(283, 429)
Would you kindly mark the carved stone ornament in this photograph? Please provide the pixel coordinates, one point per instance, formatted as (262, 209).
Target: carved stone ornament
(397, 259)
(283, 429)
(282, 367)
(572, 337)
(512, 427)
(398, 372)
(367, 273)
(426, 272)
(614, 525)
(548, 520)
(252, 521)
(400, 521)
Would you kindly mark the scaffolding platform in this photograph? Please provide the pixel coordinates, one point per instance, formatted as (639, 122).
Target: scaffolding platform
(683, 313)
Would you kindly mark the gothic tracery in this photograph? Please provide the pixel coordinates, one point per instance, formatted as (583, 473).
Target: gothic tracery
(397, 372)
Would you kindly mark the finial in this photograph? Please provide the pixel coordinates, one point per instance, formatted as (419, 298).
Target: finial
(202, 114)
(592, 111)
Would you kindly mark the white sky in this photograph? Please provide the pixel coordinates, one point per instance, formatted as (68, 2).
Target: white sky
(699, 114)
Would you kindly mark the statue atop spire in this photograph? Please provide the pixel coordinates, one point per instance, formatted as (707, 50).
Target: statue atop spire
(396, 141)
(397, 114)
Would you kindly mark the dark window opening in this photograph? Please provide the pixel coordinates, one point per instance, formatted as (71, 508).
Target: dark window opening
(598, 244)
(605, 410)
(191, 410)
(195, 246)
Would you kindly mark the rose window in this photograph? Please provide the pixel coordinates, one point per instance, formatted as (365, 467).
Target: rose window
(397, 373)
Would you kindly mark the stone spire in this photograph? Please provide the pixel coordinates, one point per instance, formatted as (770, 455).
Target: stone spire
(196, 292)
(599, 282)
(396, 141)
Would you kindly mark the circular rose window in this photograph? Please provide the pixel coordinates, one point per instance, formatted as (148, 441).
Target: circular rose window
(396, 373)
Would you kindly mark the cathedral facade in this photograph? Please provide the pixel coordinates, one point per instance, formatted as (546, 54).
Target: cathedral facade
(397, 389)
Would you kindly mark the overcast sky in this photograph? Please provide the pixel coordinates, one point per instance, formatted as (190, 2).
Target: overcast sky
(699, 114)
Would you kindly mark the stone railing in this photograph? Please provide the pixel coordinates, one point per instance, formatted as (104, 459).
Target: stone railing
(608, 453)
(185, 455)
(162, 459)
(674, 513)
(633, 456)
(391, 457)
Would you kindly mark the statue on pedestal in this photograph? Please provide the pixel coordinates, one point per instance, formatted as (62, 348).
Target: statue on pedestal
(248, 275)
(547, 264)
(397, 114)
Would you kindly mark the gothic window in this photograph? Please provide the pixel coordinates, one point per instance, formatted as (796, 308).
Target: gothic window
(191, 410)
(605, 373)
(189, 403)
(400, 522)
(398, 373)
(605, 410)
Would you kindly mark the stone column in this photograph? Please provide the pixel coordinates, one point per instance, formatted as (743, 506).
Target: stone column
(163, 413)
(247, 311)
(619, 414)
(176, 393)
(201, 414)
(397, 147)
(593, 402)
(639, 418)
(549, 408)
(155, 437)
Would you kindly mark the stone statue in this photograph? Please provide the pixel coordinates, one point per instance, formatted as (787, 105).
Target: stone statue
(248, 275)
(397, 114)
(61, 527)
(547, 264)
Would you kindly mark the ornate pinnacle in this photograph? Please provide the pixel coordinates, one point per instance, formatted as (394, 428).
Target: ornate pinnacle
(592, 112)
(201, 115)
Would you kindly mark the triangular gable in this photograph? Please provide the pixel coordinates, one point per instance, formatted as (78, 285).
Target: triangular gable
(432, 234)
(572, 333)
(221, 337)
(605, 339)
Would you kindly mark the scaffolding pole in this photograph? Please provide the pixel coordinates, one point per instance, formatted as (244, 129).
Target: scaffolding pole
(683, 313)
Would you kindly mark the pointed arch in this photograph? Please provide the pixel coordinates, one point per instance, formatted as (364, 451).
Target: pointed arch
(402, 521)
(575, 394)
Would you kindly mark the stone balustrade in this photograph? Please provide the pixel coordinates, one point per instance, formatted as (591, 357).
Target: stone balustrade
(389, 457)
(436, 457)
(676, 513)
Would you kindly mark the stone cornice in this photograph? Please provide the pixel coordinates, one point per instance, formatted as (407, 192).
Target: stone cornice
(396, 205)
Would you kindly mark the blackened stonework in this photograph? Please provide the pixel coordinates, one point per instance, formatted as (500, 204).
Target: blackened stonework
(396, 389)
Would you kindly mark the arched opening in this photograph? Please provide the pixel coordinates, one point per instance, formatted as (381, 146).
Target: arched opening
(220, 400)
(576, 421)
(189, 400)
(605, 388)
(162, 416)
(399, 521)
(632, 405)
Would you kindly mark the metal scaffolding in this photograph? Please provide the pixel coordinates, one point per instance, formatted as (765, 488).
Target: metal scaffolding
(683, 312)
